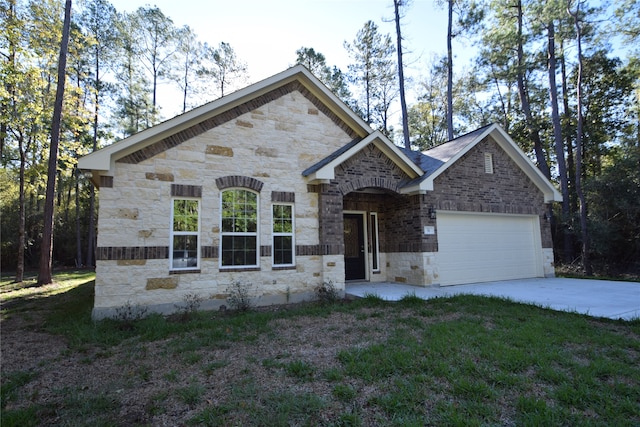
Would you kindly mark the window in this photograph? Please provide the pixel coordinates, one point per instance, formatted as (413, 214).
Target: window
(488, 163)
(239, 228)
(283, 235)
(185, 233)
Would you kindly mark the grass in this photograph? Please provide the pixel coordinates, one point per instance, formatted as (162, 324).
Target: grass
(465, 360)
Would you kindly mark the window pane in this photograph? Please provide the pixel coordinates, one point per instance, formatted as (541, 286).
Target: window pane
(185, 215)
(239, 211)
(239, 250)
(185, 251)
(282, 219)
(282, 250)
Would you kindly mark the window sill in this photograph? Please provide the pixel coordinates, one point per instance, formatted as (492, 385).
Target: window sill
(238, 269)
(197, 271)
(283, 267)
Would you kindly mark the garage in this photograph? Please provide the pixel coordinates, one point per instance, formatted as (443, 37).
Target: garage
(477, 247)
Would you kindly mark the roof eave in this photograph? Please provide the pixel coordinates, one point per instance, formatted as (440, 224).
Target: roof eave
(551, 194)
(103, 159)
(327, 172)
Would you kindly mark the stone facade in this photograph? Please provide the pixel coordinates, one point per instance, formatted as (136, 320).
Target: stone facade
(267, 143)
(278, 141)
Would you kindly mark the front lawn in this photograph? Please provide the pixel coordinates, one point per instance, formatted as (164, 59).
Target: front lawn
(465, 360)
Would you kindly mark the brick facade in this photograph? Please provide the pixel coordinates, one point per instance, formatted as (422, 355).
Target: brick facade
(466, 187)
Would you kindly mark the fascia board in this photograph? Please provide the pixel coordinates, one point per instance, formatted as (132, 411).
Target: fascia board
(514, 152)
(551, 194)
(335, 104)
(327, 172)
(427, 184)
(413, 189)
(395, 154)
(104, 158)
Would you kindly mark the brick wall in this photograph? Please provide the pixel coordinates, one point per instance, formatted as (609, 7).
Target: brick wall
(462, 187)
(466, 187)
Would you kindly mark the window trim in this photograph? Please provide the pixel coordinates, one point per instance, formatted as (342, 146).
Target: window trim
(173, 233)
(375, 244)
(292, 234)
(231, 233)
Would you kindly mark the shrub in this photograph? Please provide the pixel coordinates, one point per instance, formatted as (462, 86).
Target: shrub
(130, 313)
(239, 296)
(327, 292)
(190, 305)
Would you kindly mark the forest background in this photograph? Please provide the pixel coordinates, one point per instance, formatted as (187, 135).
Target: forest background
(546, 71)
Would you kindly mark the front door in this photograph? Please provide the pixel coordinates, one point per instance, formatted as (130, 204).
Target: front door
(354, 261)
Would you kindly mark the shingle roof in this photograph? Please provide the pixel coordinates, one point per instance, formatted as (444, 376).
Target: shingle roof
(430, 160)
(331, 157)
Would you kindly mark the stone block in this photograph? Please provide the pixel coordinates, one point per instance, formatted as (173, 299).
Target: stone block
(145, 234)
(152, 176)
(244, 123)
(266, 152)
(219, 150)
(127, 213)
(128, 262)
(162, 283)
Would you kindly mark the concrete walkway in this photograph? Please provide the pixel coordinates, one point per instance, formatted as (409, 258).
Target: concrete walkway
(597, 298)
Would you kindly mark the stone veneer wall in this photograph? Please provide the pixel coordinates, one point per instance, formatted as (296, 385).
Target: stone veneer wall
(268, 145)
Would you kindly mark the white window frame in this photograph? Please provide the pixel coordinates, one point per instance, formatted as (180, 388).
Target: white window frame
(256, 234)
(292, 234)
(173, 233)
(375, 236)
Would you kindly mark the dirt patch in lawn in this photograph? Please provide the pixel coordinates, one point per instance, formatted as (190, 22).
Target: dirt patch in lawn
(170, 381)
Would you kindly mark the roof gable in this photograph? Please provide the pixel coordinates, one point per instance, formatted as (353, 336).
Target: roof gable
(173, 132)
(438, 159)
(324, 170)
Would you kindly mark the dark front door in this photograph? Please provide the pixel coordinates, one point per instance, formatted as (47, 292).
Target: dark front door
(354, 264)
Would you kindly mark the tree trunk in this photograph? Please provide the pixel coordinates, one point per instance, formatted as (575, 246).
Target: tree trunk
(403, 101)
(586, 263)
(46, 249)
(21, 214)
(450, 74)
(558, 141)
(6, 104)
(524, 100)
(573, 203)
(91, 231)
(186, 88)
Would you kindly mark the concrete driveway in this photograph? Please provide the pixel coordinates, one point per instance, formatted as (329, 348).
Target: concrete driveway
(597, 298)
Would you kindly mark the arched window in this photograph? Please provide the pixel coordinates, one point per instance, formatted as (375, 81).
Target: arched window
(239, 231)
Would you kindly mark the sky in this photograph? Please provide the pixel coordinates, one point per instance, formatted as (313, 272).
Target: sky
(265, 34)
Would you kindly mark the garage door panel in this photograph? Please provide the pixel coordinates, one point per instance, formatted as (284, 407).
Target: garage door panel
(479, 247)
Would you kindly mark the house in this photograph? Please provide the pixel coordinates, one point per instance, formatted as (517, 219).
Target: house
(283, 187)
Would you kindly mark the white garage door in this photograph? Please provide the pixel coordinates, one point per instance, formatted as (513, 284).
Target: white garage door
(476, 247)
